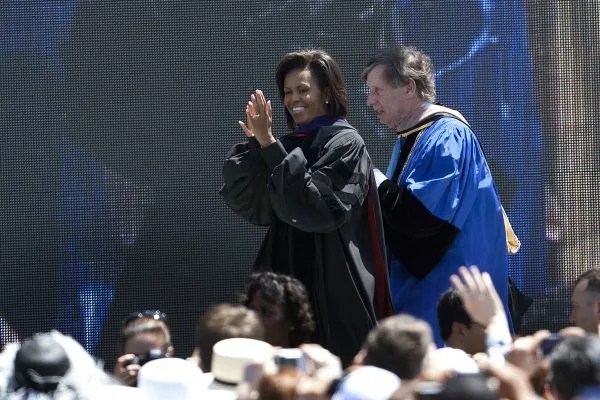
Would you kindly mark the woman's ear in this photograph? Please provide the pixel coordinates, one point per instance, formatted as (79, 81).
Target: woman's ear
(326, 95)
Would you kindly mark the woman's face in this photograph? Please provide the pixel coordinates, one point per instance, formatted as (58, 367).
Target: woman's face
(303, 98)
(277, 327)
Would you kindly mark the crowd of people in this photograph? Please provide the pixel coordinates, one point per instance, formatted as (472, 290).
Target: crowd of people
(368, 285)
(265, 349)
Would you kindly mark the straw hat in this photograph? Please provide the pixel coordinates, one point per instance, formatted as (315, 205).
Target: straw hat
(231, 357)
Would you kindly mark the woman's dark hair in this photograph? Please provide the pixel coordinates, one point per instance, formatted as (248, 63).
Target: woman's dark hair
(291, 294)
(324, 70)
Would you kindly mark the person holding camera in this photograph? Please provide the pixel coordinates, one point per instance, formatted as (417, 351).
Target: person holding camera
(145, 336)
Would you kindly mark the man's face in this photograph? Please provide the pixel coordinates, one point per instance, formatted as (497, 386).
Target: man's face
(469, 338)
(474, 338)
(391, 103)
(584, 308)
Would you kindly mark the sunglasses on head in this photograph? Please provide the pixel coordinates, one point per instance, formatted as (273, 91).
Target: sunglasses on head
(149, 314)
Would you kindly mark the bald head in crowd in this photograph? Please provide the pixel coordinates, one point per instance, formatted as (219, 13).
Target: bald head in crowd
(585, 301)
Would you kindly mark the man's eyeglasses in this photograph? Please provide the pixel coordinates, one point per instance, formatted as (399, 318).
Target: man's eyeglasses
(149, 314)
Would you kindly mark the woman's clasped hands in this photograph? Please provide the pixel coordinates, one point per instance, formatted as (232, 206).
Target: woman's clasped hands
(259, 119)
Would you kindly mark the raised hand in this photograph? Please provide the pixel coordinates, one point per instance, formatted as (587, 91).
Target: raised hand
(259, 117)
(482, 303)
(480, 299)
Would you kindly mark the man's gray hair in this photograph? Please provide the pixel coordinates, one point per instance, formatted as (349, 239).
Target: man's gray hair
(402, 64)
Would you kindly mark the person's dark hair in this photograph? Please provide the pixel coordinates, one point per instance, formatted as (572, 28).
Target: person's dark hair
(141, 326)
(324, 70)
(450, 309)
(281, 385)
(575, 363)
(468, 387)
(225, 321)
(41, 363)
(592, 276)
(404, 63)
(291, 294)
(399, 344)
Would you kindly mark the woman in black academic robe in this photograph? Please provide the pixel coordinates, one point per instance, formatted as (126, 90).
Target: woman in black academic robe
(313, 188)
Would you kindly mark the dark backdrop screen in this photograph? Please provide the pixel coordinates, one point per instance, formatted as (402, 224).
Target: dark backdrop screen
(116, 117)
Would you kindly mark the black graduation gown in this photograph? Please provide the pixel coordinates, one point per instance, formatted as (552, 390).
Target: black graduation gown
(315, 194)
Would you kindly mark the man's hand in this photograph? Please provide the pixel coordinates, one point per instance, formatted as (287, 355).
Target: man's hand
(480, 299)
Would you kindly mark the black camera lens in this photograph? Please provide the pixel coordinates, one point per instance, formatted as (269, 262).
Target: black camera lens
(153, 354)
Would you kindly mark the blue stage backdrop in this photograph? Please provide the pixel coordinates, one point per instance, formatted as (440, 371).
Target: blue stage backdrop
(116, 117)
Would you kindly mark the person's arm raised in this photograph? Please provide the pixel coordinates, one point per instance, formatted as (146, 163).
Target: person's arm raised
(483, 304)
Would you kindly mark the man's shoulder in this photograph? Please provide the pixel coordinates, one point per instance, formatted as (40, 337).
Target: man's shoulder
(448, 122)
(445, 112)
(448, 131)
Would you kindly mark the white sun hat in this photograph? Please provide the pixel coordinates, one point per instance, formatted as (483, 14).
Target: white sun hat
(231, 357)
(172, 378)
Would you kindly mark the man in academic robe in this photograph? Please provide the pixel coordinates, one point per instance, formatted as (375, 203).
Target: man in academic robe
(439, 202)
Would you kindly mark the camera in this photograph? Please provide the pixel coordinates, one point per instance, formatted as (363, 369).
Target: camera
(152, 354)
(550, 343)
(291, 357)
